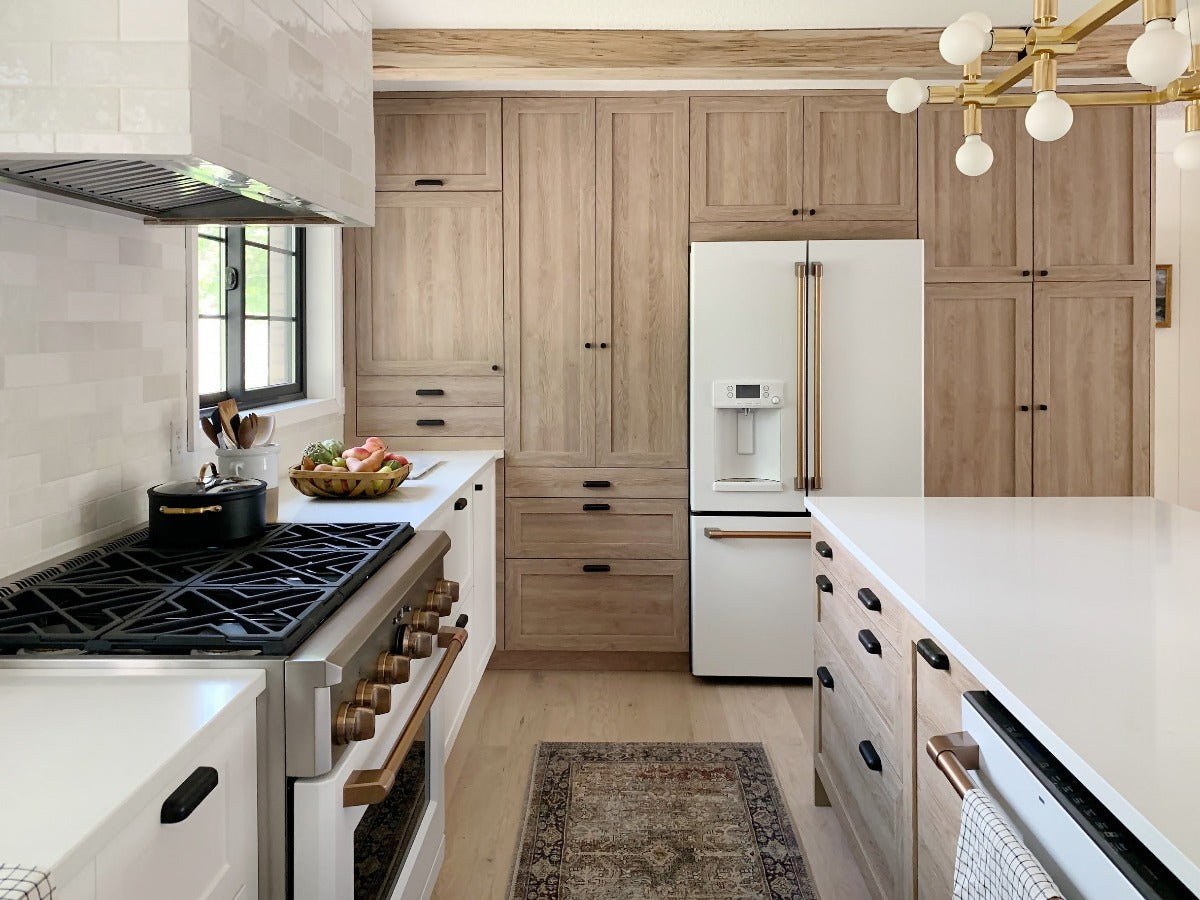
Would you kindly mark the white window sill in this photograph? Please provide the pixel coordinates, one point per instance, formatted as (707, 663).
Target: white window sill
(299, 411)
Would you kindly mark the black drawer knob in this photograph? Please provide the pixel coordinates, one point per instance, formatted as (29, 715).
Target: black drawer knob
(870, 643)
(188, 796)
(430, 392)
(1044, 272)
(812, 212)
(870, 756)
(933, 654)
(597, 484)
(824, 585)
(460, 504)
(495, 367)
(1025, 273)
(824, 550)
(596, 507)
(867, 598)
(431, 423)
(795, 212)
(597, 567)
(1024, 407)
(825, 678)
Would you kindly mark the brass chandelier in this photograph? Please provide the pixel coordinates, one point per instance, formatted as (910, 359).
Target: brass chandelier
(1165, 58)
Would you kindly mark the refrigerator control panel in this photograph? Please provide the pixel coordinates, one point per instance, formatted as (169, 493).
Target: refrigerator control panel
(730, 394)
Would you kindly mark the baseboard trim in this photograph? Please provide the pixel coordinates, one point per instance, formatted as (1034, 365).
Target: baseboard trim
(591, 660)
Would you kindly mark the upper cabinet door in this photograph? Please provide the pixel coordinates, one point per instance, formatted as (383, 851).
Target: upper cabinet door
(549, 281)
(860, 160)
(450, 144)
(641, 282)
(1092, 198)
(431, 287)
(1092, 374)
(746, 159)
(976, 229)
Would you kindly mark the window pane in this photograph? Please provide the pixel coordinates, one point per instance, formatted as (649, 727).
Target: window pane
(211, 274)
(257, 286)
(283, 237)
(283, 339)
(211, 351)
(257, 234)
(269, 353)
(213, 231)
(282, 271)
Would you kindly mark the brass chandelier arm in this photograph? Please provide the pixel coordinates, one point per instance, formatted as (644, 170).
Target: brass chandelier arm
(1096, 17)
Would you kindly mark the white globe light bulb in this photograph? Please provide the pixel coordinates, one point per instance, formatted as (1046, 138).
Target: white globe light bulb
(1183, 24)
(1187, 151)
(974, 157)
(1049, 118)
(906, 94)
(977, 18)
(1159, 55)
(963, 42)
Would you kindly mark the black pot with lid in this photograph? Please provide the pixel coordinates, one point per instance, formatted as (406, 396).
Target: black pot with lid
(209, 509)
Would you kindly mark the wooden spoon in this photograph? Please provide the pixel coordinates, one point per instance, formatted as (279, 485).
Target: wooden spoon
(227, 409)
(247, 431)
(210, 430)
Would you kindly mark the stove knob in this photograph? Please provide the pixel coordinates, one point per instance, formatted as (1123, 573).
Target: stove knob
(353, 723)
(424, 620)
(438, 602)
(417, 644)
(373, 695)
(445, 586)
(392, 668)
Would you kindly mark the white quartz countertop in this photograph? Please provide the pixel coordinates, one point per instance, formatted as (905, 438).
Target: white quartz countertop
(1082, 616)
(84, 752)
(414, 501)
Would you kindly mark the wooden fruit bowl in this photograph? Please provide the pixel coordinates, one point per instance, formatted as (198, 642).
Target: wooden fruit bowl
(347, 485)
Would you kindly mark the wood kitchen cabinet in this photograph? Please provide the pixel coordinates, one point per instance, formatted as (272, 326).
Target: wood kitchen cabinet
(450, 143)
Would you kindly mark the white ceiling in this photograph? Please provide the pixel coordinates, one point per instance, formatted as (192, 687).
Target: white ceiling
(706, 14)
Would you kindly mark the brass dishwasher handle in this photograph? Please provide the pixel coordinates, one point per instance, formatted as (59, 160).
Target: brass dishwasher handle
(188, 510)
(717, 534)
(801, 482)
(366, 787)
(954, 754)
(818, 271)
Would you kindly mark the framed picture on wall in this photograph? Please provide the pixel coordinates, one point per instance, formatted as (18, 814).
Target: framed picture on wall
(1162, 296)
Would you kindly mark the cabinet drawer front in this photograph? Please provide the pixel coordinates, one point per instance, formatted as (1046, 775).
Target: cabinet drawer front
(440, 421)
(877, 664)
(450, 144)
(522, 481)
(870, 801)
(625, 529)
(845, 568)
(430, 390)
(553, 604)
(848, 703)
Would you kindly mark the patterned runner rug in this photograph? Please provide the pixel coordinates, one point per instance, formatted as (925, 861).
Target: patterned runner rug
(657, 822)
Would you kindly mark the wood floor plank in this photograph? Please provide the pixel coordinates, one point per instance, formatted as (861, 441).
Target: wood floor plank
(487, 775)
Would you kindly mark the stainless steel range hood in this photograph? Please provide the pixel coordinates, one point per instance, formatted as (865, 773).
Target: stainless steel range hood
(211, 113)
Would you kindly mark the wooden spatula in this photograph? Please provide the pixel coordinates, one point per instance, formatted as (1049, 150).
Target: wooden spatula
(227, 410)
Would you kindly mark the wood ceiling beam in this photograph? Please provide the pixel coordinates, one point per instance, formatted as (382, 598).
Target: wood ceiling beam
(416, 55)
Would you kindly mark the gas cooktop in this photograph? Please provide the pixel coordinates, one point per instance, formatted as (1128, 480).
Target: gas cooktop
(262, 597)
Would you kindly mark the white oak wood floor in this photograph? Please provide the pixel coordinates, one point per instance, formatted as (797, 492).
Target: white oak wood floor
(487, 775)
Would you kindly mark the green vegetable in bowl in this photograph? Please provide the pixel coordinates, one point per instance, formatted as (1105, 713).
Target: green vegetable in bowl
(335, 447)
(319, 453)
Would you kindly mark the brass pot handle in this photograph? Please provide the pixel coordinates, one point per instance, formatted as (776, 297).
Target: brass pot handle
(200, 479)
(188, 510)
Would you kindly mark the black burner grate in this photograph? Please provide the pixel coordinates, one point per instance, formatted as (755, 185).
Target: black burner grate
(264, 597)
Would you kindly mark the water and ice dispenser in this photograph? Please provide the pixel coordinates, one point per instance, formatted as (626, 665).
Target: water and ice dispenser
(749, 435)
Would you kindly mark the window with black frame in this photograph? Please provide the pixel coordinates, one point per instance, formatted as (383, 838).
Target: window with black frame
(250, 334)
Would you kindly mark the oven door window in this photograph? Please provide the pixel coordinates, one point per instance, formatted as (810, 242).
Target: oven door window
(387, 830)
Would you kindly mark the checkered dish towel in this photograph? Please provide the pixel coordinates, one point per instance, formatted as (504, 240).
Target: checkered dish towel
(24, 883)
(992, 862)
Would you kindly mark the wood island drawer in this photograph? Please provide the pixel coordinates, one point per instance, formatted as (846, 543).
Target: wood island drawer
(875, 662)
(848, 703)
(884, 611)
(532, 481)
(430, 390)
(596, 604)
(623, 529)
(432, 421)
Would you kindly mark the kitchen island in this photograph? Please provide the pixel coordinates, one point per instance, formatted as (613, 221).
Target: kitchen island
(1079, 615)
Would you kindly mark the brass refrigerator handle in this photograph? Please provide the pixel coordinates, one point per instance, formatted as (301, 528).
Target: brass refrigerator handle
(366, 787)
(954, 754)
(818, 271)
(801, 482)
(717, 534)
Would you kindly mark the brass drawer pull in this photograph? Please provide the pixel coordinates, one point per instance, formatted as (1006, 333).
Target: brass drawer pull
(188, 510)
(717, 534)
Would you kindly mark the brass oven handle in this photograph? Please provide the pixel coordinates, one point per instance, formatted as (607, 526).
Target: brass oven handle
(366, 787)
(954, 754)
(818, 271)
(801, 389)
(187, 510)
(718, 534)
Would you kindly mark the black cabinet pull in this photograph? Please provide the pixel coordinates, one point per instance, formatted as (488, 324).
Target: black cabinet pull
(933, 654)
(429, 182)
(1025, 273)
(870, 642)
(479, 487)
(587, 345)
(795, 212)
(188, 796)
(595, 567)
(867, 598)
(824, 585)
(461, 621)
(1044, 272)
(603, 345)
(495, 367)
(597, 484)
(596, 507)
(431, 423)
(870, 757)
(1024, 407)
(430, 392)
(1043, 407)
(824, 677)
(460, 504)
(823, 549)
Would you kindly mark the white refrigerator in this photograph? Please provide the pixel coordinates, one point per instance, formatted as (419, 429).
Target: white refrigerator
(806, 378)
